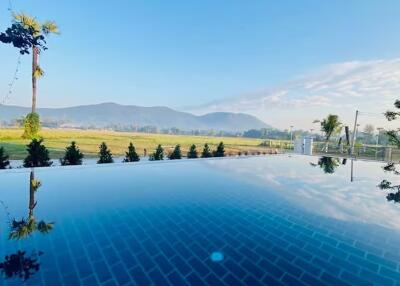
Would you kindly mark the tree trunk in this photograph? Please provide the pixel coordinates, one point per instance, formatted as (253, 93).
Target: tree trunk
(35, 55)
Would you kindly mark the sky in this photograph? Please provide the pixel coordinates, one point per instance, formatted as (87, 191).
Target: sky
(287, 62)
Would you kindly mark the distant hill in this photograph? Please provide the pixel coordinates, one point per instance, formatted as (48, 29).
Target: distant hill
(108, 114)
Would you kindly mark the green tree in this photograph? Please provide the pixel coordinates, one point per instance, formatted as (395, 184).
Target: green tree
(105, 155)
(176, 153)
(31, 125)
(393, 135)
(192, 154)
(158, 154)
(38, 155)
(206, 152)
(27, 34)
(72, 156)
(4, 163)
(329, 126)
(220, 152)
(131, 155)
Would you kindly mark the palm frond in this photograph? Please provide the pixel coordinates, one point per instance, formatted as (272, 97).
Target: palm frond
(50, 27)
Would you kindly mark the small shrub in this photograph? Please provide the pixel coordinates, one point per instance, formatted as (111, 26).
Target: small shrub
(38, 155)
(72, 156)
(206, 152)
(220, 152)
(192, 154)
(4, 163)
(31, 125)
(131, 155)
(176, 154)
(158, 154)
(105, 155)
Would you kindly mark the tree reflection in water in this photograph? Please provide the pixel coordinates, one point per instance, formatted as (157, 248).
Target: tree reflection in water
(394, 195)
(21, 264)
(26, 226)
(328, 164)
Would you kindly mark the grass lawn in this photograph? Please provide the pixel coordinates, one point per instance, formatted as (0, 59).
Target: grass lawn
(89, 140)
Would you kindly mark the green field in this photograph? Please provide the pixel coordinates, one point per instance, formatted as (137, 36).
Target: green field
(89, 140)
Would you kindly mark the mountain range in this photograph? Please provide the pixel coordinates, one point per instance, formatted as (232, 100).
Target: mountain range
(112, 114)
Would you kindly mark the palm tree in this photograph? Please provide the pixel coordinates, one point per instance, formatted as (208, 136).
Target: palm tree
(28, 34)
(25, 227)
(330, 125)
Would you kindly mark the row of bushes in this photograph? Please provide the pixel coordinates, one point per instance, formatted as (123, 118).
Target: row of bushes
(38, 154)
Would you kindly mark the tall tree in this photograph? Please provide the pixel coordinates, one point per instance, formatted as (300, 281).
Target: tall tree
(206, 152)
(72, 156)
(192, 154)
(131, 155)
(105, 155)
(329, 126)
(29, 35)
(393, 115)
(4, 162)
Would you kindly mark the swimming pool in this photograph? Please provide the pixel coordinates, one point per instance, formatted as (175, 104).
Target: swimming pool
(276, 220)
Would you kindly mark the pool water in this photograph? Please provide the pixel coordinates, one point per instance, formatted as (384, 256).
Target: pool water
(276, 220)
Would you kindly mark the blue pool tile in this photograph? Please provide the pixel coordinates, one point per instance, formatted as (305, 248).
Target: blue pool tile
(198, 266)
(289, 280)
(382, 261)
(355, 280)
(89, 281)
(120, 273)
(363, 263)
(307, 266)
(252, 268)
(164, 265)
(181, 265)
(158, 278)
(232, 280)
(139, 276)
(102, 271)
(351, 249)
(212, 280)
(250, 280)
(289, 268)
(194, 279)
(311, 280)
(395, 275)
(333, 280)
(177, 279)
(376, 278)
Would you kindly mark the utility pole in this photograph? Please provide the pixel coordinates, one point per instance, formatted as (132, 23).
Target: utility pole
(353, 141)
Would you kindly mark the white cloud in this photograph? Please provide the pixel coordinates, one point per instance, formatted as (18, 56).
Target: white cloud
(370, 86)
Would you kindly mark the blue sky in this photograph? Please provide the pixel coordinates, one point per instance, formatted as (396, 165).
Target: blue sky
(190, 53)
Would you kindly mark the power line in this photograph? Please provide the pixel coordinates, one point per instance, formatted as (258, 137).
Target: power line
(7, 94)
(371, 114)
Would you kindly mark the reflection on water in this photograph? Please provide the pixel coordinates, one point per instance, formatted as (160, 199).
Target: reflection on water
(24, 227)
(394, 195)
(21, 264)
(342, 191)
(327, 164)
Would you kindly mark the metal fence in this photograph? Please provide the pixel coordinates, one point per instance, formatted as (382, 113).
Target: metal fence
(370, 152)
